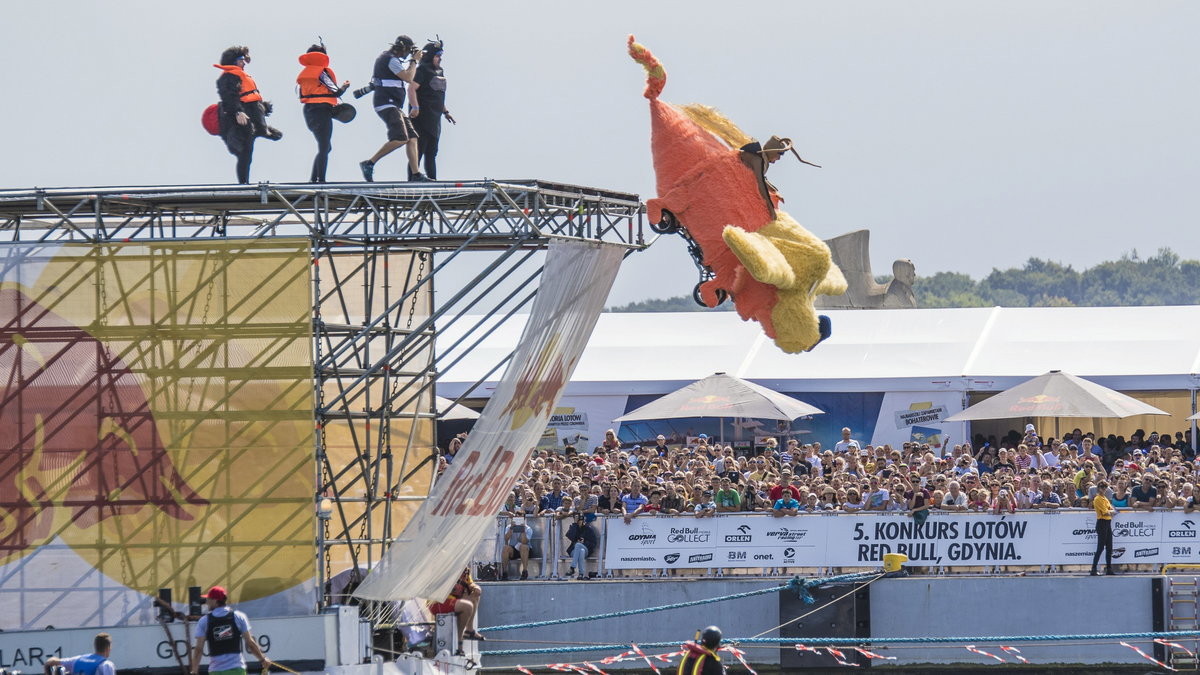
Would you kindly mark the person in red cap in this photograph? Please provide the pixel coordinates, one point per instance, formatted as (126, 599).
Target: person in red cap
(224, 630)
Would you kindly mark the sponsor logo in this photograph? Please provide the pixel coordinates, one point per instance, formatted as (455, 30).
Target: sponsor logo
(1135, 529)
(736, 555)
(1188, 532)
(646, 537)
(745, 529)
(1144, 552)
(1082, 554)
(1118, 552)
(786, 534)
(700, 558)
(688, 535)
(789, 553)
(671, 558)
(639, 558)
(738, 538)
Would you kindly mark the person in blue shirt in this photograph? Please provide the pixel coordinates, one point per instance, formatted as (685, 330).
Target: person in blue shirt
(785, 506)
(96, 663)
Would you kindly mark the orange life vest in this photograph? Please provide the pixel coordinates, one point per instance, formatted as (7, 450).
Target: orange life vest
(249, 88)
(312, 90)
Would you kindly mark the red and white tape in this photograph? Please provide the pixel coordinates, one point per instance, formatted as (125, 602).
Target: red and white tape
(971, 648)
(1146, 656)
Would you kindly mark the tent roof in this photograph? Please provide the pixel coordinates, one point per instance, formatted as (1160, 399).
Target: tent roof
(874, 350)
(723, 395)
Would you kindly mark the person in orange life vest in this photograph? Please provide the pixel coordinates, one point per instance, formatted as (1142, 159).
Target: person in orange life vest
(242, 113)
(463, 602)
(319, 93)
(700, 657)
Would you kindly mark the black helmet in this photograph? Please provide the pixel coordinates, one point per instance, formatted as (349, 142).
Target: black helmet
(403, 43)
(710, 637)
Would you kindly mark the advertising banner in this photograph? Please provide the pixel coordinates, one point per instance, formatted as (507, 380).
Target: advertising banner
(847, 540)
(155, 427)
(430, 554)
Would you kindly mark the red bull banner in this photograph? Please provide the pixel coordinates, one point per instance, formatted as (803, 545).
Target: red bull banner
(155, 427)
(429, 555)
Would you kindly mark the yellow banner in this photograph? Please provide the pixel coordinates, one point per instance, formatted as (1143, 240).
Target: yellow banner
(156, 415)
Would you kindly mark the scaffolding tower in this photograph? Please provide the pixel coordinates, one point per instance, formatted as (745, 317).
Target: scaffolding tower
(377, 253)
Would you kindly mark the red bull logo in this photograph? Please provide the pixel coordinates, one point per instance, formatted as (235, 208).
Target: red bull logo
(1038, 403)
(76, 432)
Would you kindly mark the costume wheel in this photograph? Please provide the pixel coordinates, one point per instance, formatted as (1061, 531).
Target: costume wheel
(722, 296)
(668, 224)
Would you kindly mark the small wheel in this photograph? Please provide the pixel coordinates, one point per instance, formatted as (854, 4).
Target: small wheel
(722, 296)
(668, 224)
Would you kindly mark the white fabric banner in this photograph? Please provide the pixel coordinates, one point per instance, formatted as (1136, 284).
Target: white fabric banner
(846, 540)
(429, 555)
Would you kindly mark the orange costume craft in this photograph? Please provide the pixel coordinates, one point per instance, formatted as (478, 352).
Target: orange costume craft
(711, 187)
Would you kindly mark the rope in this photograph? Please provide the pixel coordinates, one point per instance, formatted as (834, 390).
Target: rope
(820, 641)
(795, 583)
(848, 593)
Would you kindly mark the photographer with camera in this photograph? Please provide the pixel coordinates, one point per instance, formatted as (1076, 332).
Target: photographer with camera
(431, 100)
(393, 74)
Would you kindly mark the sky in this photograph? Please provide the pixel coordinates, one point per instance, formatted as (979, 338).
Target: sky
(965, 135)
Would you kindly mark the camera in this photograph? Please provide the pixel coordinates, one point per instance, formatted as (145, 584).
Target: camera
(363, 91)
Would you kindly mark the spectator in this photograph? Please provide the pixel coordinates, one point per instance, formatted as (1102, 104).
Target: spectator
(846, 444)
(727, 499)
(672, 503)
(787, 505)
(517, 545)
(955, 499)
(583, 544)
(1145, 496)
(553, 500)
(854, 502)
(705, 505)
(918, 500)
(1046, 499)
(611, 444)
(1004, 503)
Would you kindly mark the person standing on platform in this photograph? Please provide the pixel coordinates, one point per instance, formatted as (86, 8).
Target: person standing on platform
(96, 663)
(430, 85)
(224, 630)
(319, 92)
(390, 80)
(1104, 533)
(241, 113)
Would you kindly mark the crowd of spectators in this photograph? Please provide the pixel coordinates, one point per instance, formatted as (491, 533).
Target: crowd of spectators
(706, 478)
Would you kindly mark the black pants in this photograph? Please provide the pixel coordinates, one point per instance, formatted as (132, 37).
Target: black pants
(239, 138)
(429, 128)
(319, 118)
(1104, 543)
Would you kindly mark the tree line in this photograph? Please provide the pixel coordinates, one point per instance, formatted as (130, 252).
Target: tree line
(1161, 279)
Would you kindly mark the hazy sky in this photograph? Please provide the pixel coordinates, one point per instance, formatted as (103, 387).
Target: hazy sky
(964, 135)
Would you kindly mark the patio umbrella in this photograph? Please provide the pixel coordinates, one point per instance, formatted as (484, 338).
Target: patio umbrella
(450, 410)
(1056, 394)
(1195, 417)
(722, 395)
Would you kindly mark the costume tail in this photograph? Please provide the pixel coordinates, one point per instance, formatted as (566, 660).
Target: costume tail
(656, 77)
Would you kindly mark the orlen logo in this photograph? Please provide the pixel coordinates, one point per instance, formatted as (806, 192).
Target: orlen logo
(743, 538)
(1188, 533)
